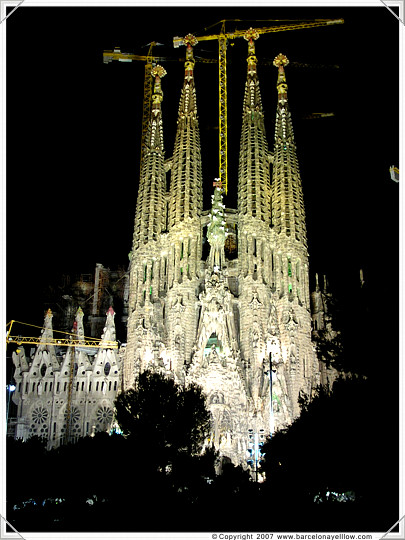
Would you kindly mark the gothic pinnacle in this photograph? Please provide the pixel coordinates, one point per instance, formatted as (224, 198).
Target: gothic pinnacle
(186, 176)
(150, 203)
(254, 174)
(280, 61)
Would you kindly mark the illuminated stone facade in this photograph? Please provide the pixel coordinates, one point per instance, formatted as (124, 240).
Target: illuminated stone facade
(222, 321)
(237, 321)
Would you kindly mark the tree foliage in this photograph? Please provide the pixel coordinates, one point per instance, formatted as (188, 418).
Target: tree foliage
(158, 465)
(336, 446)
(163, 418)
(343, 442)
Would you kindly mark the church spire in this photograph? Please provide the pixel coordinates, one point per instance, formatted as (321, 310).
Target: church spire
(150, 208)
(186, 177)
(47, 332)
(44, 348)
(287, 199)
(254, 175)
(109, 333)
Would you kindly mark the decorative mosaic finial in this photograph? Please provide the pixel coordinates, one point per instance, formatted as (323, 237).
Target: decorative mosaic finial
(280, 61)
(251, 35)
(158, 72)
(189, 41)
(218, 184)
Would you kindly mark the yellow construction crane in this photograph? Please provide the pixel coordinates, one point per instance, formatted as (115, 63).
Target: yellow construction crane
(71, 341)
(222, 38)
(312, 116)
(117, 55)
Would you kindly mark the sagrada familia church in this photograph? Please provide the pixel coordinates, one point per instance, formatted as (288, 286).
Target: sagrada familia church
(239, 321)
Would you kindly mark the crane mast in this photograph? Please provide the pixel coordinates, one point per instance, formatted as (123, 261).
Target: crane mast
(70, 388)
(223, 112)
(147, 98)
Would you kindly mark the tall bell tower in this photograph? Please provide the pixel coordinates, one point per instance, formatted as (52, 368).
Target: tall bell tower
(290, 255)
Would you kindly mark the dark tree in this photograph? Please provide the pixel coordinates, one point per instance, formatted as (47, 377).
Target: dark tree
(332, 463)
(166, 425)
(75, 486)
(163, 418)
(21, 477)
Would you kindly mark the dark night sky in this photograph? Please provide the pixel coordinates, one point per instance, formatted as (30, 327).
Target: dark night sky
(73, 134)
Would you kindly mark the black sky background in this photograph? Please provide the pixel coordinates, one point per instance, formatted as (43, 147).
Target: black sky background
(73, 148)
(74, 128)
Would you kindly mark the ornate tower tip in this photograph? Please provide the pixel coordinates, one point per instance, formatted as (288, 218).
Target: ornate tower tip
(251, 34)
(48, 313)
(110, 311)
(158, 71)
(157, 97)
(190, 40)
(281, 60)
(218, 184)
